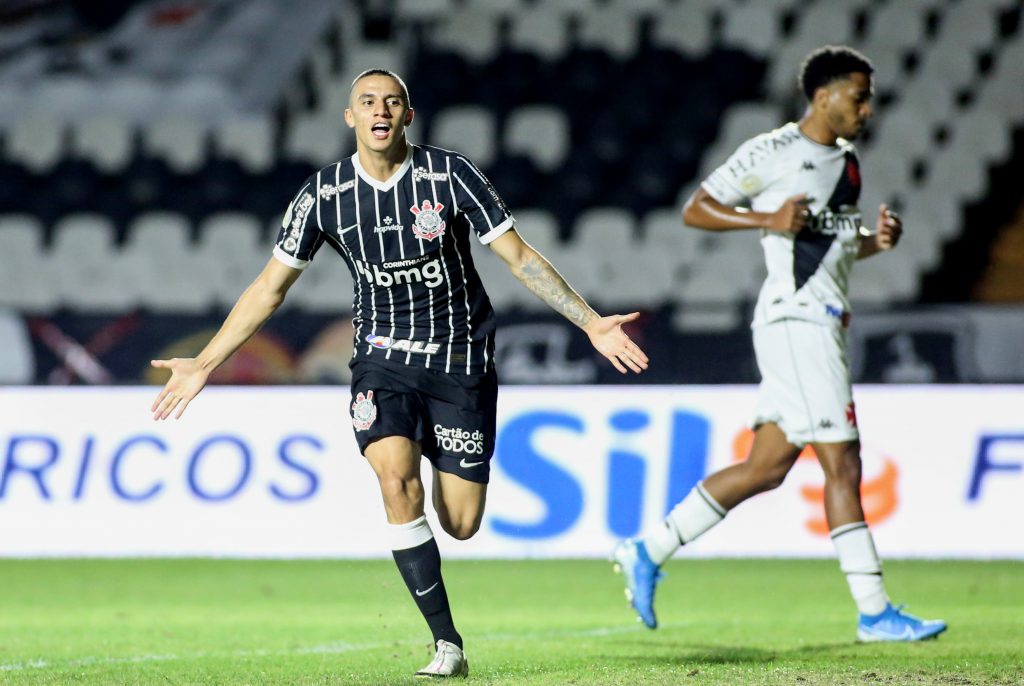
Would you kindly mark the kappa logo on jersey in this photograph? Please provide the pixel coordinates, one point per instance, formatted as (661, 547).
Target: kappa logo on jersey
(423, 174)
(808, 166)
(363, 411)
(327, 191)
(388, 343)
(419, 270)
(429, 224)
(459, 441)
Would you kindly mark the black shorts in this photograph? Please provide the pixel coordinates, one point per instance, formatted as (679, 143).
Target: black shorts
(452, 416)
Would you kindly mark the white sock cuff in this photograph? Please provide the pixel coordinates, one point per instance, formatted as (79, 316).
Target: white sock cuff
(714, 504)
(846, 528)
(856, 549)
(411, 534)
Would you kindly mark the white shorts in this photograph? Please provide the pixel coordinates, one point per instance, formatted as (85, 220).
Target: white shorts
(805, 382)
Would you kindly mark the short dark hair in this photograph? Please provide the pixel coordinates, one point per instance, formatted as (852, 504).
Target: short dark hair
(831, 63)
(385, 72)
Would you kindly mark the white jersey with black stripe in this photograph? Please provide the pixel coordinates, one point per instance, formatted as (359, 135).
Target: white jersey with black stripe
(418, 298)
(808, 273)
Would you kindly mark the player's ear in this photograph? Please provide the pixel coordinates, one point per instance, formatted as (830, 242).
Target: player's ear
(410, 114)
(348, 118)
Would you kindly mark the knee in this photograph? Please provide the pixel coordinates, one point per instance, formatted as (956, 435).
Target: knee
(771, 478)
(398, 488)
(459, 527)
(845, 470)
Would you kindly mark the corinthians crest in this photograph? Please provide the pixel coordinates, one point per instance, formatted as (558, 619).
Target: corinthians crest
(363, 411)
(428, 224)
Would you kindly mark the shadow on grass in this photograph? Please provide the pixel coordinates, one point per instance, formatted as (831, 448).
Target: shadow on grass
(689, 655)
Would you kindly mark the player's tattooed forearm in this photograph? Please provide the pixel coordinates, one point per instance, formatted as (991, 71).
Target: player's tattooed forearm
(540, 277)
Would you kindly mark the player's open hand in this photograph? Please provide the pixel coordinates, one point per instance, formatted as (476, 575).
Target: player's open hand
(608, 338)
(888, 228)
(793, 216)
(187, 379)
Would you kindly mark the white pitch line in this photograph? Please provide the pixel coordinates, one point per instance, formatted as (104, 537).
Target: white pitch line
(333, 648)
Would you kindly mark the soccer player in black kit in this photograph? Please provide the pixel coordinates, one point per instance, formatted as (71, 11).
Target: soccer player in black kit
(423, 379)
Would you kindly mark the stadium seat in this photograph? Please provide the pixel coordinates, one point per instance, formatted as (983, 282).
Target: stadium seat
(249, 141)
(66, 98)
(539, 132)
(752, 27)
(541, 31)
(715, 278)
(90, 271)
(137, 99)
(982, 135)
(28, 279)
(419, 10)
(317, 141)
(36, 141)
(232, 253)
(685, 29)
(967, 27)
(106, 141)
(206, 98)
(325, 287)
(178, 140)
(610, 30)
(540, 229)
(468, 129)
(451, 32)
(164, 265)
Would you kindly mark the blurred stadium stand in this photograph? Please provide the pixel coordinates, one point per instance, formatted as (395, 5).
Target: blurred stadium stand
(148, 149)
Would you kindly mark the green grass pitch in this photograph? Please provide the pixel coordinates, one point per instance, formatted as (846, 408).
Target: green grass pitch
(525, 622)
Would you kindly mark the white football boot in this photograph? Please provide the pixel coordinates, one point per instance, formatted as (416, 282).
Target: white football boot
(448, 661)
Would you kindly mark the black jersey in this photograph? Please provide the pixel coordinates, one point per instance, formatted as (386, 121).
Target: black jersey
(418, 299)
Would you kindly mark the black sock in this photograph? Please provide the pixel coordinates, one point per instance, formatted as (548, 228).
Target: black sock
(421, 569)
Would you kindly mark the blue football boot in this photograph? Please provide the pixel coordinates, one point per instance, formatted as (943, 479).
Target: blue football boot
(642, 575)
(893, 624)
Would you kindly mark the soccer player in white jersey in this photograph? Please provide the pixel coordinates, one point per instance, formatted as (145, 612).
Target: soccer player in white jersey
(798, 187)
(401, 216)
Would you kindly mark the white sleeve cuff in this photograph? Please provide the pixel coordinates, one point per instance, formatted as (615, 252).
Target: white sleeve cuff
(290, 260)
(498, 230)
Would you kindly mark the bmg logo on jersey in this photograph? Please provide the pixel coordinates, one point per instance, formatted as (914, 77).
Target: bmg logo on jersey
(831, 223)
(459, 440)
(425, 270)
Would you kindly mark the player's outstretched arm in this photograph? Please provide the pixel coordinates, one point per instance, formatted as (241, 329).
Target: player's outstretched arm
(888, 229)
(538, 275)
(253, 309)
(704, 212)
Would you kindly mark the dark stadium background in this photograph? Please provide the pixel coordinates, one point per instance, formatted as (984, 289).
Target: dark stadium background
(149, 149)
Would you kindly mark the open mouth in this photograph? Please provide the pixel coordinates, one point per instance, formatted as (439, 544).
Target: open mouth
(380, 130)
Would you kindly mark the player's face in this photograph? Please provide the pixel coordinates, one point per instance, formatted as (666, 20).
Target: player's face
(378, 112)
(848, 105)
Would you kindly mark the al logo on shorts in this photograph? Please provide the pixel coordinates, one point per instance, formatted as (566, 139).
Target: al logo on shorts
(363, 411)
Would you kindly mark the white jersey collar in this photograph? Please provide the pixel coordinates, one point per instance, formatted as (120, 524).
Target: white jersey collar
(392, 180)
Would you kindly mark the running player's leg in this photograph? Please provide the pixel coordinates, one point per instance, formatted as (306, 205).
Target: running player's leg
(771, 457)
(459, 504)
(396, 462)
(855, 547)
